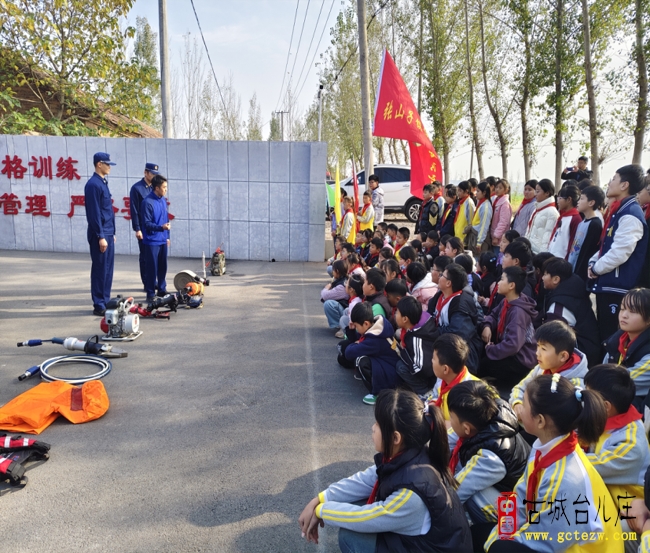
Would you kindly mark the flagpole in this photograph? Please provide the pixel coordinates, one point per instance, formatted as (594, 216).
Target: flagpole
(365, 91)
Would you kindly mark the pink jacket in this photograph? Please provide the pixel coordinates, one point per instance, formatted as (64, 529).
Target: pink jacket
(424, 290)
(501, 217)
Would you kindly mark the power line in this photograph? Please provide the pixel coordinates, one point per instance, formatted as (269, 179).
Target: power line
(299, 41)
(284, 76)
(311, 64)
(313, 35)
(225, 110)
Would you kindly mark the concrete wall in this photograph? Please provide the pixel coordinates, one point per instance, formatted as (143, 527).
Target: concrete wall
(262, 200)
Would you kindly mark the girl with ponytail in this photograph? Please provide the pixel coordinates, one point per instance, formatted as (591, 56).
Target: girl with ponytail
(409, 493)
(560, 491)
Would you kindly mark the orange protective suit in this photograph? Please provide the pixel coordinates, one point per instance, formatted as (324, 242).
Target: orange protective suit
(34, 410)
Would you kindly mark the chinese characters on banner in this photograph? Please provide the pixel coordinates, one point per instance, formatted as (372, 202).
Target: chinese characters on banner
(397, 117)
(36, 205)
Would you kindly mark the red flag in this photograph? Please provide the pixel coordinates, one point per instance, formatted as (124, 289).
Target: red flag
(397, 117)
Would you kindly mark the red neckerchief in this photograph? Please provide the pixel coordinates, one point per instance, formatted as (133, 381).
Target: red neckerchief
(364, 208)
(530, 223)
(493, 295)
(372, 256)
(346, 212)
(442, 302)
(444, 387)
(445, 212)
(537, 286)
(574, 359)
(484, 274)
(502, 319)
(622, 420)
(460, 205)
(357, 266)
(646, 211)
(453, 461)
(523, 203)
(566, 213)
(422, 208)
(373, 493)
(608, 217)
(624, 344)
(480, 203)
(401, 337)
(564, 448)
(436, 196)
(398, 247)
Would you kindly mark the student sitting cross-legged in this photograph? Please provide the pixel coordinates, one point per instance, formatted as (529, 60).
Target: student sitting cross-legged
(415, 349)
(490, 454)
(373, 290)
(334, 296)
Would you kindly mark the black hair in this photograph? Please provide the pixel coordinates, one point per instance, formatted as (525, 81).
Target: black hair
(541, 258)
(510, 235)
(373, 177)
(532, 183)
(570, 192)
(368, 233)
(547, 186)
(405, 232)
(456, 243)
(367, 193)
(433, 235)
(377, 243)
(614, 383)
(428, 188)
(401, 411)
(442, 262)
(423, 237)
(349, 247)
(392, 265)
(387, 253)
(488, 260)
(158, 181)
(484, 187)
(362, 313)
(504, 183)
(416, 272)
(410, 308)
(475, 402)
(392, 226)
(452, 350)
(457, 276)
(396, 287)
(594, 194)
(376, 278)
(353, 259)
(523, 240)
(450, 190)
(340, 267)
(472, 182)
(519, 250)
(492, 181)
(383, 226)
(637, 301)
(568, 182)
(466, 261)
(356, 283)
(558, 267)
(517, 276)
(583, 158)
(585, 183)
(416, 245)
(559, 335)
(587, 415)
(464, 186)
(343, 193)
(445, 238)
(436, 183)
(407, 252)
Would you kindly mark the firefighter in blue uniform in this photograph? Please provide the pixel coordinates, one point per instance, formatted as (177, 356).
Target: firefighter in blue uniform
(101, 232)
(155, 236)
(139, 191)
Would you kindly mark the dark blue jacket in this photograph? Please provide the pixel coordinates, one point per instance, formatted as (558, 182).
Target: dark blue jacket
(99, 208)
(139, 191)
(154, 216)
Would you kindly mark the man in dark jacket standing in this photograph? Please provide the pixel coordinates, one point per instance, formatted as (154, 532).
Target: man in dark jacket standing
(579, 171)
(155, 237)
(101, 232)
(139, 191)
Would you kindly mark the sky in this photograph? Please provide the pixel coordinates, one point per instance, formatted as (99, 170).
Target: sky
(249, 39)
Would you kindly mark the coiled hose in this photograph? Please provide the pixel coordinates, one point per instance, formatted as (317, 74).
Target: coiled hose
(44, 368)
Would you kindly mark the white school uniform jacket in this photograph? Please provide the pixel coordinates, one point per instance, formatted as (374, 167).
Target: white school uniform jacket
(585, 499)
(621, 457)
(542, 224)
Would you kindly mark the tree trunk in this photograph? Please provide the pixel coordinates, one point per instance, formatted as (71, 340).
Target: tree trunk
(559, 107)
(472, 111)
(420, 59)
(642, 110)
(591, 95)
(445, 156)
(405, 151)
(503, 146)
(523, 107)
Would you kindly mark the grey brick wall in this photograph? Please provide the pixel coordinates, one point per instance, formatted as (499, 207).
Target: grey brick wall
(261, 200)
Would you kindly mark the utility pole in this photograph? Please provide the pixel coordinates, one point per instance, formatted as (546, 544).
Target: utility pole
(320, 111)
(281, 114)
(365, 91)
(165, 93)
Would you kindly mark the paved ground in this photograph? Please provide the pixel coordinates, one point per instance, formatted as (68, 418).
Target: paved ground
(223, 422)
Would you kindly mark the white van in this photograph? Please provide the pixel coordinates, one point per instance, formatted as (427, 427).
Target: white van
(395, 180)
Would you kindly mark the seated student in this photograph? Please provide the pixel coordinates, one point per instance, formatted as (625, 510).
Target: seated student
(453, 247)
(630, 345)
(391, 270)
(567, 299)
(372, 353)
(372, 258)
(338, 242)
(487, 264)
(567, 223)
(391, 232)
(558, 469)
(373, 291)
(347, 228)
(415, 347)
(334, 296)
(347, 249)
(446, 222)
(395, 290)
(354, 288)
(416, 245)
(508, 332)
(354, 265)
(439, 265)
(422, 287)
(507, 238)
(403, 235)
(621, 455)
(429, 211)
(466, 261)
(543, 219)
(383, 227)
(516, 254)
(366, 216)
(408, 497)
(587, 238)
(430, 247)
(406, 256)
(454, 309)
(556, 354)
(464, 213)
(368, 235)
(539, 292)
(386, 253)
(490, 455)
